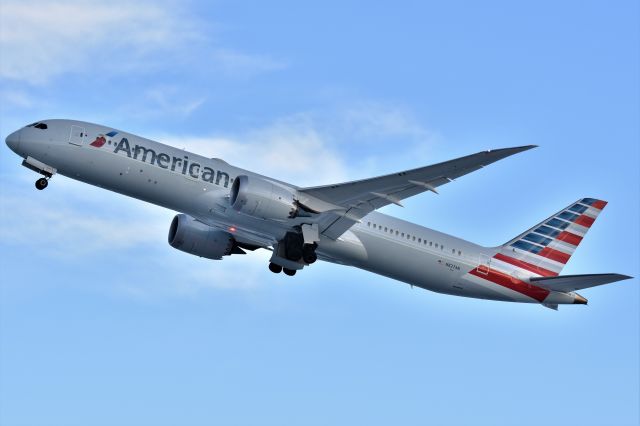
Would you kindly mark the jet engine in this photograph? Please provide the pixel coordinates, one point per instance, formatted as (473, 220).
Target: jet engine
(194, 237)
(260, 198)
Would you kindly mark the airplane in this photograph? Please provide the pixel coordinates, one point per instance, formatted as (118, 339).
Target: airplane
(225, 210)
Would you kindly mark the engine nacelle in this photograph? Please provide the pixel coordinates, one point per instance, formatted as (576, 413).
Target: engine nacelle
(194, 237)
(260, 198)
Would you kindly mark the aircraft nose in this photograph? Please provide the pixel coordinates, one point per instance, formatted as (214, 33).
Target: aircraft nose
(13, 141)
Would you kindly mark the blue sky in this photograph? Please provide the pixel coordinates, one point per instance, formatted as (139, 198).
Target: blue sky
(102, 322)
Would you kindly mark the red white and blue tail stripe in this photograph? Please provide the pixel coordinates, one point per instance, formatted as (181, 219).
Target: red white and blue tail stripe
(548, 246)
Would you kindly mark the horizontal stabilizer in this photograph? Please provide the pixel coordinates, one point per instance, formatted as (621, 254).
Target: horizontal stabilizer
(568, 283)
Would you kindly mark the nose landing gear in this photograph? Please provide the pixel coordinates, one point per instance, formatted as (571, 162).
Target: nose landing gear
(42, 168)
(42, 183)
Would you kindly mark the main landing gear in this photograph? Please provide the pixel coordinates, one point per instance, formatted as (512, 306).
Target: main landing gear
(42, 183)
(293, 249)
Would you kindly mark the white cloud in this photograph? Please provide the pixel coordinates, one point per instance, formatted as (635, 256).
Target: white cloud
(94, 228)
(310, 148)
(17, 99)
(375, 119)
(167, 100)
(40, 40)
(389, 137)
(172, 273)
(290, 149)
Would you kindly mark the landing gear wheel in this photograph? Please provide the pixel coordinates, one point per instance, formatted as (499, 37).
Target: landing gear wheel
(276, 269)
(290, 272)
(309, 253)
(293, 246)
(41, 184)
(309, 258)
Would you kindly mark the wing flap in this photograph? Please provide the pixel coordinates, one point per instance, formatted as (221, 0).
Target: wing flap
(568, 283)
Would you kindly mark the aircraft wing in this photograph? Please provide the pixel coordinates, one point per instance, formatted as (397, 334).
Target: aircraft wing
(355, 199)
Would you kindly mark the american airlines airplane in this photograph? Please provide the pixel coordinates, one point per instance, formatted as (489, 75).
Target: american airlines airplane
(225, 210)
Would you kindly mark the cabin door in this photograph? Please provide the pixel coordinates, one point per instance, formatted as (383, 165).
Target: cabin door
(77, 135)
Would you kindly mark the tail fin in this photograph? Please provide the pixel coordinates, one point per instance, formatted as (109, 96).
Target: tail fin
(548, 246)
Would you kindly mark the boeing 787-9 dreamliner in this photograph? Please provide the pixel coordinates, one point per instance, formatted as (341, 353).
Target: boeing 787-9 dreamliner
(225, 210)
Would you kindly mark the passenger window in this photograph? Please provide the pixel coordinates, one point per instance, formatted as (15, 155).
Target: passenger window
(369, 224)
(459, 253)
(430, 243)
(403, 235)
(419, 240)
(414, 238)
(397, 232)
(385, 229)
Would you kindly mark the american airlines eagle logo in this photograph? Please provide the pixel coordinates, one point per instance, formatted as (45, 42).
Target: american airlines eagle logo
(102, 139)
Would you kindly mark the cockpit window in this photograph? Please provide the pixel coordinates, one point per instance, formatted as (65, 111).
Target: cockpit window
(38, 126)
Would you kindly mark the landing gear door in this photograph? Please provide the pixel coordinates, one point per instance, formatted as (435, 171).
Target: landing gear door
(484, 263)
(77, 135)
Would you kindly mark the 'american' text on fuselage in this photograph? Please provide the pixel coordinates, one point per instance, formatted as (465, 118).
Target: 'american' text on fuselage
(175, 164)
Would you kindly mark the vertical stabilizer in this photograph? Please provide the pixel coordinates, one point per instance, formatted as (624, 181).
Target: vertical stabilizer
(548, 246)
